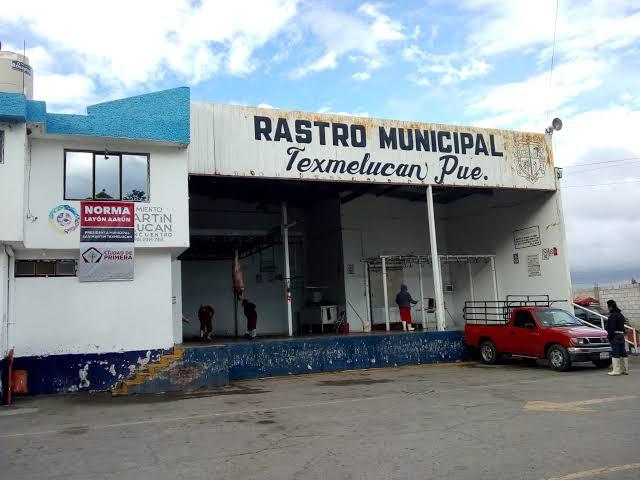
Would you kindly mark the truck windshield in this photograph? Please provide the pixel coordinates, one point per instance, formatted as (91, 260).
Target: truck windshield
(556, 318)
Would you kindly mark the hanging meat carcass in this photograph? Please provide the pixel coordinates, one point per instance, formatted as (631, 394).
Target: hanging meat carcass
(238, 282)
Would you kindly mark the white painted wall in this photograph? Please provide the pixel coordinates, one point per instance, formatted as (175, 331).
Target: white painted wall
(478, 225)
(485, 225)
(60, 315)
(482, 289)
(4, 296)
(168, 189)
(12, 178)
(374, 226)
(210, 282)
(176, 300)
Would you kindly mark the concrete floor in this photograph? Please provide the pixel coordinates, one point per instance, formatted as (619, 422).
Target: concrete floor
(432, 422)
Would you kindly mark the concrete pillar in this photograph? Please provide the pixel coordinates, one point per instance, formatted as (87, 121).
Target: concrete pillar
(435, 261)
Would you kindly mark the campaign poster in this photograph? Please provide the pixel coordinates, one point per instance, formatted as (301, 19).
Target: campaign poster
(106, 241)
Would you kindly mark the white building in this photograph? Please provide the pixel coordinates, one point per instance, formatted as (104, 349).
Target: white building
(362, 199)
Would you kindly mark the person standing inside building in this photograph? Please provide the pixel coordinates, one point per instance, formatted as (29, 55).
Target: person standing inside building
(404, 301)
(252, 318)
(615, 329)
(205, 315)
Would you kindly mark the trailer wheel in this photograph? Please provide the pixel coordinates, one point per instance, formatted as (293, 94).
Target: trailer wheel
(488, 352)
(559, 359)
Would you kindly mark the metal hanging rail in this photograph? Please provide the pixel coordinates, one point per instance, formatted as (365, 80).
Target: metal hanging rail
(387, 263)
(396, 262)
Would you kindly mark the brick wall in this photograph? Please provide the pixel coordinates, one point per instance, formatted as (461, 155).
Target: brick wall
(627, 296)
(628, 299)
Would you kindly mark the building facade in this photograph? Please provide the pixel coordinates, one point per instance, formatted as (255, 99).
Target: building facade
(312, 207)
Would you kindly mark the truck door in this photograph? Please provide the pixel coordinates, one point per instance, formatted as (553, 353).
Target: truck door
(523, 334)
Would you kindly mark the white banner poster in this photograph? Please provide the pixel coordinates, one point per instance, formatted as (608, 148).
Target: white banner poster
(154, 224)
(102, 262)
(106, 241)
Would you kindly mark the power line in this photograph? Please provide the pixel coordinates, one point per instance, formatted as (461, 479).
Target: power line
(600, 163)
(600, 184)
(601, 168)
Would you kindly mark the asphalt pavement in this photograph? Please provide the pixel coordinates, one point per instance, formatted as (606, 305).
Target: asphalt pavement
(464, 421)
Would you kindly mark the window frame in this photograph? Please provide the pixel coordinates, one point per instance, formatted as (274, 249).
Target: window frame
(35, 261)
(119, 154)
(522, 313)
(33, 269)
(108, 154)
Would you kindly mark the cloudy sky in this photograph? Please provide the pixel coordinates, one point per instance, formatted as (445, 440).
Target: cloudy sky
(475, 62)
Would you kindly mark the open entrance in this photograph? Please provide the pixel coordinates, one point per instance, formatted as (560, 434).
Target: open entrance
(490, 243)
(248, 218)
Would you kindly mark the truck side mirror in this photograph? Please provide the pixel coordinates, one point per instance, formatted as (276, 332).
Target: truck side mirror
(530, 326)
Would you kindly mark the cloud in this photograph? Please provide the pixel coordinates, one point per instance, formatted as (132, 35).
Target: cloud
(328, 109)
(595, 43)
(64, 93)
(598, 135)
(327, 62)
(583, 28)
(450, 68)
(124, 44)
(56, 88)
(524, 104)
(602, 223)
(365, 35)
(361, 76)
(421, 81)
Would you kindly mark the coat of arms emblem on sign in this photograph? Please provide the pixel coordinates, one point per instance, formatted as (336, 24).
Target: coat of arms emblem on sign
(530, 160)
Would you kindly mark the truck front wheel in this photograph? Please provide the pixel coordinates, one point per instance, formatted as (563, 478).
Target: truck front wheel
(488, 352)
(559, 358)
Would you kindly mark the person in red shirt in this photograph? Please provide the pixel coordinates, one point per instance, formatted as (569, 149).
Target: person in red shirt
(404, 301)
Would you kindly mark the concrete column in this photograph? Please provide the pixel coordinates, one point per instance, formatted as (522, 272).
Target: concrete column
(367, 293)
(385, 293)
(435, 261)
(287, 271)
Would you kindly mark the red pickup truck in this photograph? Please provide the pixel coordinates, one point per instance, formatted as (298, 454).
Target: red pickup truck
(533, 329)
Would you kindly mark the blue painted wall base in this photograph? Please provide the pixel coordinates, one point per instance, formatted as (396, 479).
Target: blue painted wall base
(217, 365)
(81, 372)
(332, 354)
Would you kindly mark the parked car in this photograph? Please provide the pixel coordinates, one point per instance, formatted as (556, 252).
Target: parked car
(590, 317)
(536, 332)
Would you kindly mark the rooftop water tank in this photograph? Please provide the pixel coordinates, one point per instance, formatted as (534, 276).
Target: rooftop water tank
(16, 75)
